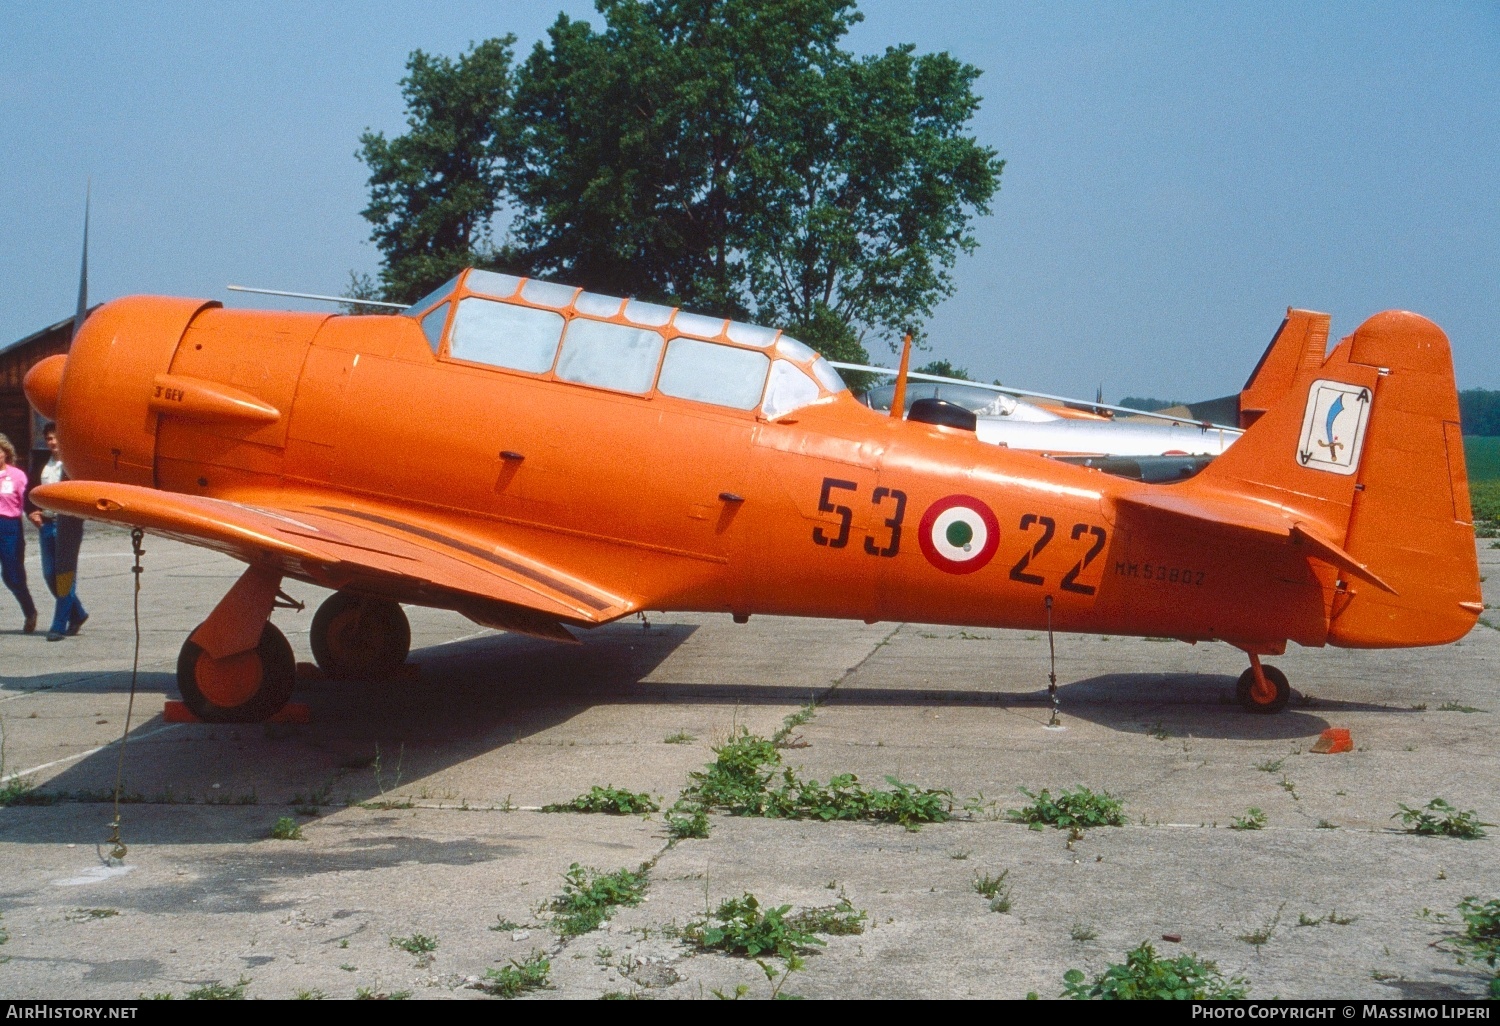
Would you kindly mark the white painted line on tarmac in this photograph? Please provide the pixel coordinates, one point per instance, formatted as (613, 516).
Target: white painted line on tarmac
(82, 755)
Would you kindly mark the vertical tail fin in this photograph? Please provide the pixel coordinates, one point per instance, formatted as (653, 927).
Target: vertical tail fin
(1364, 449)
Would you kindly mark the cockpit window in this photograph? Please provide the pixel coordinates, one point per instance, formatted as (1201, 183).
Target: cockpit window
(751, 334)
(505, 335)
(713, 374)
(548, 293)
(501, 286)
(827, 376)
(610, 356)
(432, 326)
(436, 294)
(790, 347)
(790, 389)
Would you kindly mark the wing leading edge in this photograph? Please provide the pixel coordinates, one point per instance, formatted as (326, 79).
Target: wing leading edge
(330, 540)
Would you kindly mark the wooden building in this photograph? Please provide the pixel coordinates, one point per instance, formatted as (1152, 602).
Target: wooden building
(18, 420)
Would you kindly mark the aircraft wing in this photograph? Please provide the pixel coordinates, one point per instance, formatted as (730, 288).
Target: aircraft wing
(328, 539)
(1238, 516)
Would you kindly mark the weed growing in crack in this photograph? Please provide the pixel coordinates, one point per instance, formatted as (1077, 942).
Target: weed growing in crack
(743, 781)
(1479, 942)
(1144, 976)
(687, 820)
(682, 737)
(417, 944)
(1257, 938)
(1081, 808)
(1270, 765)
(286, 829)
(743, 926)
(995, 889)
(217, 991)
(517, 978)
(1439, 819)
(590, 897)
(1253, 819)
(611, 801)
(1082, 932)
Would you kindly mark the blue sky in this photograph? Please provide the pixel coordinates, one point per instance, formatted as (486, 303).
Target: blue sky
(1177, 174)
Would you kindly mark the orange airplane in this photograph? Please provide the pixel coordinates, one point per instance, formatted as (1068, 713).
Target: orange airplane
(538, 457)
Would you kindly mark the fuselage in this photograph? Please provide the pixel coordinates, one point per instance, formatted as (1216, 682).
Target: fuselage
(827, 509)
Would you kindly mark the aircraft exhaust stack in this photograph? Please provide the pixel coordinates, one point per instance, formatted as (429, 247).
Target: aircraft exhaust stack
(43, 384)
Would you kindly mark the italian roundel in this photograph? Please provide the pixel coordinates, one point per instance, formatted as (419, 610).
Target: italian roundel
(959, 534)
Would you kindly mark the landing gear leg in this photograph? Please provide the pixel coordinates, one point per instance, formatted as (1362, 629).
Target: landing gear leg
(1262, 689)
(359, 637)
(236, 667)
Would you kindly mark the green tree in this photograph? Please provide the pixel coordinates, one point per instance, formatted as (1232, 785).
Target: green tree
(944, 369)
(724, 155)
(434, 190)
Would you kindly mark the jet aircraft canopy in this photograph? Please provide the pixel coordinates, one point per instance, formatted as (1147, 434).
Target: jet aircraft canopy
(562, 333)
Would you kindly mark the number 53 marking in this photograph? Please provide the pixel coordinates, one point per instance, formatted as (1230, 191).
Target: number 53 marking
(846, 517)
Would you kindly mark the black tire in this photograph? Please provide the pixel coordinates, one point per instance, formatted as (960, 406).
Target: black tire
(354, 636)
(1242, 691)
(278, 675)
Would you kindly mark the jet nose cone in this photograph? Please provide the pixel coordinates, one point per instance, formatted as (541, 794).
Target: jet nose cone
(43, 383)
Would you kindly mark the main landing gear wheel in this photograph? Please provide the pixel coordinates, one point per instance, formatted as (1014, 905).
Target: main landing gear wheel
(244, 688)
(354, 636)
(1244, 691)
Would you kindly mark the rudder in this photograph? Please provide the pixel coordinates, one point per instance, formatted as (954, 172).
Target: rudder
(1365, 449)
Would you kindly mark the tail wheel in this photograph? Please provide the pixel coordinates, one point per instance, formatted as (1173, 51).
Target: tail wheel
(356, 636)
(1244, 691)
(243, 688)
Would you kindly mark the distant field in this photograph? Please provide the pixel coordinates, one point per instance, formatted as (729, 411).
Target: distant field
(1482, 455)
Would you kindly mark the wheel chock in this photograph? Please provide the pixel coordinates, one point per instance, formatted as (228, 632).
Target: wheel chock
(292, 712)
(1333, 741)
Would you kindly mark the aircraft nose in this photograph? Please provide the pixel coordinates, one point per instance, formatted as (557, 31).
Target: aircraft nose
(43, 383)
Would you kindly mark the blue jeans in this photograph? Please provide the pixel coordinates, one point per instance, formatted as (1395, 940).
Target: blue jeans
(13, 562)
(69, 612)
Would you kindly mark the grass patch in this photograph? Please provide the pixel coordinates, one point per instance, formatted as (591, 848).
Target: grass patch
(1271, 765)
(1439, 819)
(747, 778)
(1145, 976)
(612, 801)
(682, 737)
(519, 977)
(1082, 932)
(217, 991)
(286, 829)
(371, 994)
(590, 897)
(1081, 809)
(1253, 819)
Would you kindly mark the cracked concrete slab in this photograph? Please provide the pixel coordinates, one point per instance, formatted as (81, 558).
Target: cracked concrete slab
(417, 802)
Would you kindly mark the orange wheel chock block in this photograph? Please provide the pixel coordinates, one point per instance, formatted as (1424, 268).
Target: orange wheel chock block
(292, 712)
(1333, 741)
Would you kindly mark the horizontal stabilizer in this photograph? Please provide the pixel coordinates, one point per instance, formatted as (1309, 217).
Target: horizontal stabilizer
(1265, 521)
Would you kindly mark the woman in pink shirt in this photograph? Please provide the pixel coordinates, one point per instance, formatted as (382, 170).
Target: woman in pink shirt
(12, 534)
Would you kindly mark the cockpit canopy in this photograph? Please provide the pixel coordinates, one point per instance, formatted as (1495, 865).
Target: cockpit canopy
(560, 332)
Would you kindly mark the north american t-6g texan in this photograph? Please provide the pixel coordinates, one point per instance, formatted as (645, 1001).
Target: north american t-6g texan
(541, 459)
